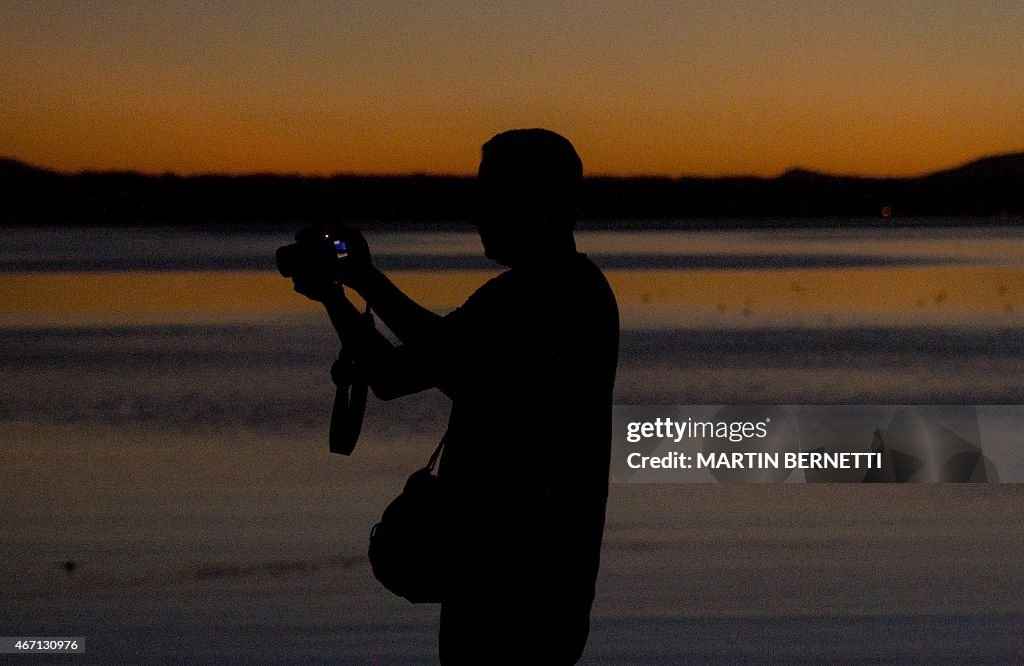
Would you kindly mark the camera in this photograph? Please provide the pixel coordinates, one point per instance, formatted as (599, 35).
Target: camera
(317, 249)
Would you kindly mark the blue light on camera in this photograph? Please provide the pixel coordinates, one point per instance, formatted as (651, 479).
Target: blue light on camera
(340, 248)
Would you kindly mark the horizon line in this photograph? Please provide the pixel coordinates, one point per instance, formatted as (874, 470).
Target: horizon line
(428, 174)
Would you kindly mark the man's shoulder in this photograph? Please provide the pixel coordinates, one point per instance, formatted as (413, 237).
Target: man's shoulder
(591, 284)
(570, 285)
(576, 269)
(588, 270)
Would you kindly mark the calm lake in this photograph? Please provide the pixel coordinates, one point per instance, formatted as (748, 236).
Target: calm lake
(165, 404)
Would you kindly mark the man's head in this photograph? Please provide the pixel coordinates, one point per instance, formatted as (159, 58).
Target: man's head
(528, 187)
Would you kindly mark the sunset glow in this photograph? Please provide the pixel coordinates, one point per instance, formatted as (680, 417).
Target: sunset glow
(873, 88)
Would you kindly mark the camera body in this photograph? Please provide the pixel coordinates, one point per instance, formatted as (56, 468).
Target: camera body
(321, 249)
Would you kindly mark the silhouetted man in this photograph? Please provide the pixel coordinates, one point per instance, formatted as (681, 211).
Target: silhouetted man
(529, 363)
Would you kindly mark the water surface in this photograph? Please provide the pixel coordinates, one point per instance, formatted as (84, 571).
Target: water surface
(164, 419)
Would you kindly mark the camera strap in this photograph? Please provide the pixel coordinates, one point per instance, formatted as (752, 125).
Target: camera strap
(436, 454)
(350, 398)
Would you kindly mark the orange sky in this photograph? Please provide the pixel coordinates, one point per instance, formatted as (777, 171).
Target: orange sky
(876, 88)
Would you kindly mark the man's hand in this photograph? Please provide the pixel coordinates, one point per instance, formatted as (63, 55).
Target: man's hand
(317, 286)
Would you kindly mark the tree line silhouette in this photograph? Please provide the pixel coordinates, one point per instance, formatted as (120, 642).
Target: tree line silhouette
(991, 188)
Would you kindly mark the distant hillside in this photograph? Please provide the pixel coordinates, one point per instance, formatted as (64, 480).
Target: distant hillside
(1010, 166)
(992, 187)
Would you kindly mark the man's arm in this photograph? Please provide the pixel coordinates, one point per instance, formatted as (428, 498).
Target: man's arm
(391, 373)
(407, 319)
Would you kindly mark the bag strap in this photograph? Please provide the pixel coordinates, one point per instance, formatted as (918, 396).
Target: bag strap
(436, 454)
